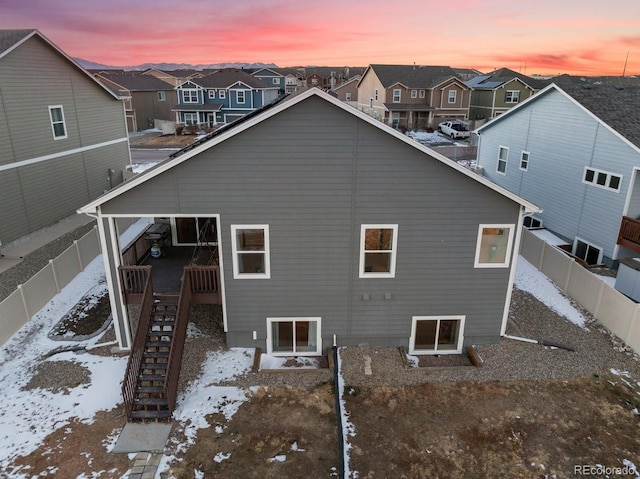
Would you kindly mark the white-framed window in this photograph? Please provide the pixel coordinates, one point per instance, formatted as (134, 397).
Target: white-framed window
(512, 96)
(421, 94)
(314, 81)
(493, 248)
(58, 126)
(347, 96)
(524, 160)
(397, 95)
(602, 179)
(222, 94)
(190, 118)
(589, 252)
(503, 157)
(250, 249)
(378, 249)
(276, 80)
(453, 94)
(212, 94)
(436, 335)
(162, 96)
(294, 336)
(414, 93)
(375, 94)
(189, 95)
(240, 97)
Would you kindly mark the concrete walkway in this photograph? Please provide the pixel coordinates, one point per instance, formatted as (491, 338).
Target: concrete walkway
(12, 253)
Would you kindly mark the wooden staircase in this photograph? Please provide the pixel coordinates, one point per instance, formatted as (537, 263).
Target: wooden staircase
(149, 398)
(150, 385)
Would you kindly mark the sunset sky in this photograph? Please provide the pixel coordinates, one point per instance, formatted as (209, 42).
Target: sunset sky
(581, 37)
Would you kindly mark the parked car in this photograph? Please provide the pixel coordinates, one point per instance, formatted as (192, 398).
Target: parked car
(454, 129)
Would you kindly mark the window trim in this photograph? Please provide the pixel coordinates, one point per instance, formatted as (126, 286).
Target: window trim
(275, 81)
(512, 96)
(375, 94)
(61, 122)
(347, 96)
(162, 96)
(425, 352)
(190, 114)
(523, 161)
(211, 94)
(317, 320)
(509, 252)
(394, 251)
(414, 93)
(399, 96)
(244, 97)
(505, 161)
(191, 92)
(589, 245)
(595, 183)
(422, 94)
(452, 96)
(235, 253)
(222, 94)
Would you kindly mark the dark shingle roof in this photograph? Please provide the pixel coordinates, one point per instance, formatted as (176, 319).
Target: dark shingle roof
(615, 100)
(227, 77)
(135, 81)
(413, 76)
(9, 38)
(498, 77)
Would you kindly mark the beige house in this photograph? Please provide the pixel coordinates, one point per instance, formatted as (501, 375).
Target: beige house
(412, 96)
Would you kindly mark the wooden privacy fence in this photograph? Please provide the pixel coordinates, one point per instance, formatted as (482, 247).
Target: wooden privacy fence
(612, 309)
(29, 298)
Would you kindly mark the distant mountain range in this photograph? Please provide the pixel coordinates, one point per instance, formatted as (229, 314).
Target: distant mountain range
(172, 66)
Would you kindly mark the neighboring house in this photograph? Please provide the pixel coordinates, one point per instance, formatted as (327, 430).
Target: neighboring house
(466, 73)
(221, 97)
(272, 77)
(175, 77)
(63, 135)
(348, 91)
(328, 78)
(574, 150)
(498, 91)
(342, 230)
(149, 97)
(413, 96)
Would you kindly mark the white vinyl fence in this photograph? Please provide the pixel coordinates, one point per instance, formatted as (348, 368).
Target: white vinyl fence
(612, 309)
(18, 308)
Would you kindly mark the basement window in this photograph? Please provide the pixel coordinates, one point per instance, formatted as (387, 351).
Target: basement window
(294, 336)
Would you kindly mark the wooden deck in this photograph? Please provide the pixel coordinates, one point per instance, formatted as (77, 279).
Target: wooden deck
(166, 271)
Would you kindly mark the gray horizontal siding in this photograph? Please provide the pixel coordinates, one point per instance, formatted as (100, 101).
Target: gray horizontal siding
(34, 77)
(314, 186)
(562, 139)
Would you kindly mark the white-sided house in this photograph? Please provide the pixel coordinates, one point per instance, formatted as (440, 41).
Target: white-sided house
(573, 149)
(348, 232)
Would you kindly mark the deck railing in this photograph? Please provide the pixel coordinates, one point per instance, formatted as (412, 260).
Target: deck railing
(629, 234)
(205, 283)
(134, 281)
(135, 357)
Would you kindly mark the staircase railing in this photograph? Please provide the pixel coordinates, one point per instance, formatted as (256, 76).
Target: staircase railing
(629, 234)
(177, 343)
(137, 348)
(134, 281)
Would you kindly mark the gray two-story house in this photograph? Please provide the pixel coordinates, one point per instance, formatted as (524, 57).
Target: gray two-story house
(574, 150)
(63, 135)
(347, 232)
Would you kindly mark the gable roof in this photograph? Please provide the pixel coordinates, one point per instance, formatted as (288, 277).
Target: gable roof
(412, 76)
(613, 105)
(134, 80)
(227, 77)
(267, 112)
(497, 78)
(12, 39)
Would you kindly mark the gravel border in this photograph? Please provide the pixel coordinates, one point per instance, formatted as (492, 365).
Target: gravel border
(596, 350)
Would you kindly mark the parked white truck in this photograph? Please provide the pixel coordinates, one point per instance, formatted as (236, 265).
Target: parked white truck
(454, 129)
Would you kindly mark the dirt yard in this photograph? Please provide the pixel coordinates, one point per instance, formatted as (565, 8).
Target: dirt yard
(156, 140)
(447, 430)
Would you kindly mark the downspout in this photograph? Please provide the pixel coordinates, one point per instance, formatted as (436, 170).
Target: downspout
(512, 273)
